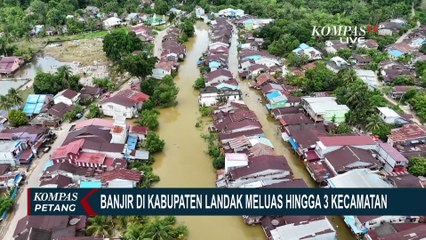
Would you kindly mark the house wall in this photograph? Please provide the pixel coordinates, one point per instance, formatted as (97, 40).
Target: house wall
(63, 99)
(207, 99)
(267, 62)
(384, 219)
(246, 128)
(111, 109)
(121, 183)
(217, 80)
(384, 32)
(387, 119)
(8, 158)
(160, 73)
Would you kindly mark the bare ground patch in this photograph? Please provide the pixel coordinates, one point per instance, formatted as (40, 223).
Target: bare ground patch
(85, 51)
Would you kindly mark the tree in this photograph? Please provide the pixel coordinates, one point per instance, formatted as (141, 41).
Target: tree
(344, 53)
(382, 131)
(99, 226)
(119, 44)
(74, 113)
(153, 143)
(374, 123)
(199, 83)
(13, 97)
(149, 177)
(295, 60)
(161, 7)
(219, 162)
(149, 118)
(187, 27)
(17, 118)
(319, 78)
(148, 86)
(94, 112)
(134, 232)
(423, 48)
(343, 128)
(417, 166)
(164, 228)
(5, 103)
(48, 83)
(138, 65)
(165, 92)
(105, 83)
(403, 80)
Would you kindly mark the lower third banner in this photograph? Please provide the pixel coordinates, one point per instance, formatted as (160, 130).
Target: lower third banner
(212, 201)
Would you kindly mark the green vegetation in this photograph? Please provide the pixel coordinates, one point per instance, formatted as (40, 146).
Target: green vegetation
(94, 112)
(163, 92)
(149, 177)
(206, 111)
(149, 118)
(17, 117)
(295, 60)
(75, 113)
(6, 202)
(11, 99)
(214, 150)
(121, 46)
(417, 166)
(187, 27)
(48, 83)
(199, 83)
(418, 103)
(105, 83)
(154, 143)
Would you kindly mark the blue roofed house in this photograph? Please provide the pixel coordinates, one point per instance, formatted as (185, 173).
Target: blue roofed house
(395, 54)
(276, 100)
(310, 52)
(213, 65)
(91, 184)
(37, 103)
(418, 42)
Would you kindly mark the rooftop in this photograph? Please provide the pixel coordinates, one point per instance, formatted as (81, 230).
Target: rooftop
(359, 178)
(410, 131)
(346, 140)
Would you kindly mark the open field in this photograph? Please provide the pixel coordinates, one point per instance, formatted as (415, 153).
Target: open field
(85, 51)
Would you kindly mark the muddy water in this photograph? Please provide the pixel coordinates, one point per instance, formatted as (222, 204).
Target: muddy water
(42, 63)
(184, 162)
(270, 127)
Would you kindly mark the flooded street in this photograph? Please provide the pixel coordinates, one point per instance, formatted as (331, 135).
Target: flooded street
(270, 128)
(184, 162)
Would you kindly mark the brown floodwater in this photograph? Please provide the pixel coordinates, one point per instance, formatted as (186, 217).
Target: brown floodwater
(183, 162)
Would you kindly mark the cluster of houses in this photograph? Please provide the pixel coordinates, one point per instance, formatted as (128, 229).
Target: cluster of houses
(94, 154)
(307, 124)
(250, 158)
(221, 85)
(172, 53)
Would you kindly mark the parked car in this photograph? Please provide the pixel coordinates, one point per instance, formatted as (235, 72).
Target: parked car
(47, 149)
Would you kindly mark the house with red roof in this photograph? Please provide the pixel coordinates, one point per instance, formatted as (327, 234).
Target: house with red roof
(327, 144)
(124, 103)
(121, 178)
(409, 134)
(9, 65)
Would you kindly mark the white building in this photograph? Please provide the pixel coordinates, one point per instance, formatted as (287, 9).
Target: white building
(126, 103)
(209, 96)
(388, 115)
(199, 12)
(235, 160)
(9, 150)
(67, 96)
(320, 229)
(367, 76)
(337, 63)
(121, 178)
(111, 22)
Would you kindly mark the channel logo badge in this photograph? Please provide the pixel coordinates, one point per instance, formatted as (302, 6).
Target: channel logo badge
(373, 28)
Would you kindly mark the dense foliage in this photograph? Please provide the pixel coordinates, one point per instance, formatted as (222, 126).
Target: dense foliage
(163, 92)
(149, 118)
(11, 99)
(17, 118)
(417, 166)
(154, 143)
(48, 83)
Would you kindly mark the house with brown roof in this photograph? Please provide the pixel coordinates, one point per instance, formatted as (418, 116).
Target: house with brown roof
(163, 68)
(90, 93)
(347, 158)
(125, 103)
(57, 226)
(399, 91)
(409, 135)
(67, 96)
(9, 65)
(217, 76)
(121, 178)
(75, 173)
(368, 44)
(269, 170)
(58, 181)
(397, 231)
(327, 144)
(332, 46)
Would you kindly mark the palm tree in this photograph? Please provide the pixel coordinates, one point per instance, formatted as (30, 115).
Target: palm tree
(99, 226)
(5, 103)
(134, 232)
(374, 123)
(158, 230)
(64, 72)
(13, 97)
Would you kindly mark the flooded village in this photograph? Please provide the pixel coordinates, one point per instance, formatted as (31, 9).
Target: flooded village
(198, 102)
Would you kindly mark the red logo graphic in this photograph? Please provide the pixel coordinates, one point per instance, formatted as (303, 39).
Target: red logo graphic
(373, 28)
